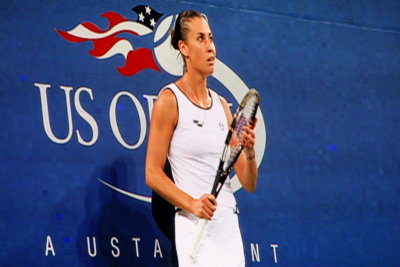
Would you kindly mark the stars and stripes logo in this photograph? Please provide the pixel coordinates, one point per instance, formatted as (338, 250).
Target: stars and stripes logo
(108, 43)
(147, 16)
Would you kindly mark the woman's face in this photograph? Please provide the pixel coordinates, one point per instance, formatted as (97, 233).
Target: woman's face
(198, 48)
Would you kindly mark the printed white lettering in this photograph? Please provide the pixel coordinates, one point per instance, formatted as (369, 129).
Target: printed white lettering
(86, 116)
(114, 124)
(150, 102)
(90, 252)
(157, 252)
(274, 246)
(49, 246)
(114, 242)
(45, 112)
(136, 240)
(255, 252)
(157, 249)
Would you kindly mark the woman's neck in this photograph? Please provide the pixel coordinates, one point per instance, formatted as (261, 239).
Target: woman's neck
(195, 83)
(195, 87)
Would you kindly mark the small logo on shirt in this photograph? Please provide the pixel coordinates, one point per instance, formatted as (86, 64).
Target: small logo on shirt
(221, 126)
(199, 123)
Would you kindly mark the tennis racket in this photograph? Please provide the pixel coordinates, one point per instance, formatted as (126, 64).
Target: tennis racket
(244, 116)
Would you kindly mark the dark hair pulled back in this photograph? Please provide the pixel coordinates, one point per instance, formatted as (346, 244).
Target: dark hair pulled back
(180, 30)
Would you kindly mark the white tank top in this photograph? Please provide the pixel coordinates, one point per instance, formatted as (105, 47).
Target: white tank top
(196, 146)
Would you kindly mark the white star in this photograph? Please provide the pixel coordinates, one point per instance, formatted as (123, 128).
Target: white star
(148, 10)
(141, 17)
(152, 22)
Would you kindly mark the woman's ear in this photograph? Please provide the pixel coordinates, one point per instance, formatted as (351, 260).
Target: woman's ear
(183, 48)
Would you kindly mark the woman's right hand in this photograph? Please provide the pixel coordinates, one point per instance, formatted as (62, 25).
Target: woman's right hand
(204, 207)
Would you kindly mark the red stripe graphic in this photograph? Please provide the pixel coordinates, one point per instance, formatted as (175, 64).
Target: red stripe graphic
(138, 60)
(105, 41)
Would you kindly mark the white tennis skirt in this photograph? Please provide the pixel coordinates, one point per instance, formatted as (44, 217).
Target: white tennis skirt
(221, 244)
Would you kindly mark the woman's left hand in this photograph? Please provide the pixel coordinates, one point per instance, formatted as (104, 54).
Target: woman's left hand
(248, 140)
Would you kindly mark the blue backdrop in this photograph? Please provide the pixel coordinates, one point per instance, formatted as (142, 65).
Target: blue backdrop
(74, 129)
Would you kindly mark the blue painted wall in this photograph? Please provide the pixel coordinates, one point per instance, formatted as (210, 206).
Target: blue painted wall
(329, 187)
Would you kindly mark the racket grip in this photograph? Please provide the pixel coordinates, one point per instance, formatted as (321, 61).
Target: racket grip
(201, 226)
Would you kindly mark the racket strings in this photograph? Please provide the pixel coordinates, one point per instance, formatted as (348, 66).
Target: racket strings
(249, 108)
(243, 118)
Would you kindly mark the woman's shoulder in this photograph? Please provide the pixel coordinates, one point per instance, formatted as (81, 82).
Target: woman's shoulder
(168, 92)
(168, 87)
(165, 108)
(167, 96)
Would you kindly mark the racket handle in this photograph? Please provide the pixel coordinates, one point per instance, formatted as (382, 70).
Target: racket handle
(194, 249)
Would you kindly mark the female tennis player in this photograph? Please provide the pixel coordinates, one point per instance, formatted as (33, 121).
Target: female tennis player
(189, 124)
